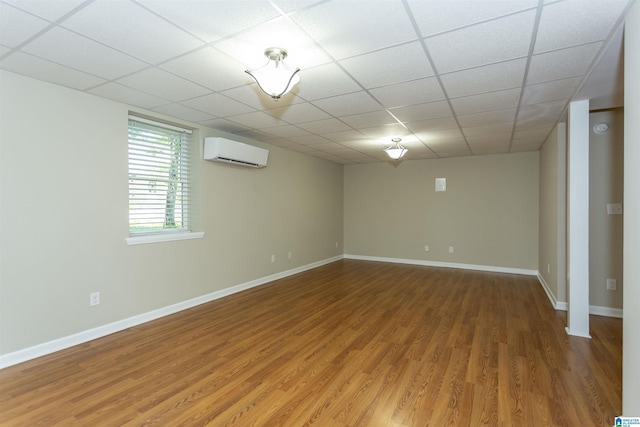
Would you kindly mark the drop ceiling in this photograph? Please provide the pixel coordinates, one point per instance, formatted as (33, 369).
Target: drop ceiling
(449, 77)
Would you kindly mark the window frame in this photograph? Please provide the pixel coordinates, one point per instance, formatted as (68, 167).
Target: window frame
(145, 156)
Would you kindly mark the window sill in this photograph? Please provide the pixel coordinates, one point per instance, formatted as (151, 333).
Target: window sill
(166, 237)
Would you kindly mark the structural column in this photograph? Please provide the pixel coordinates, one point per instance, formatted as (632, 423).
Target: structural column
(578, 220)
(631, 269)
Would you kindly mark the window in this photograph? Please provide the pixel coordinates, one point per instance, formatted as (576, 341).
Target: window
(158, 178)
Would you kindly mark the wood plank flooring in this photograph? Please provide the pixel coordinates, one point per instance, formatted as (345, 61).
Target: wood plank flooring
(352, 343)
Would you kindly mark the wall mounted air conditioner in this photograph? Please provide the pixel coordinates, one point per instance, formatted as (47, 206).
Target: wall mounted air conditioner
(224, 150)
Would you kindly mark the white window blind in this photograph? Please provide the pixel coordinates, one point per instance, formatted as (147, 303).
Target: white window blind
(158, 177)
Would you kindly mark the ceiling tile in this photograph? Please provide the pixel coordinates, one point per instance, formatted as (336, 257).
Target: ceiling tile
(286, 131)
(437, 17)
(16, 26)
(342, 136)
(604, 86)
(131, 28)
(432, 124)
(292, 145)
(535, 123)
(224, 125)
(255, 120)
(160, 83)
(386, 132)
(309, 139)
(351, 103)
(499, 100)
(209, 68)
(409, 93)
(69, 49)
(502, 139)
(389, 66)
(532, 133)
(217, 105)
(248, 47)
(331, 23)
(490, 149)
(504, 75)
(47, 9)
(325, 81)
(298, 113)
(182, 112)
(495, 128)
(364, 144)
(486, 118)
(561, 64)
(37, 68)
(126, 95)
(441, 136)
(321, 126)
(258, 135)
(430, 110)
(203, 18)
(371, 119)
(482, 44)
(550, 91)
(542, 110)
(562, 24)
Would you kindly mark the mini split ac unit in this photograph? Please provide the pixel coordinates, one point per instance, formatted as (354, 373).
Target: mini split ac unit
(224, 150)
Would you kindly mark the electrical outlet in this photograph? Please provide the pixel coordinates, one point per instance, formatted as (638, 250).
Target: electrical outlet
(426, 248)
(273, 258)
(548, 268)
(611, 284)
(450, 249)
(94, 299)
(290, 254)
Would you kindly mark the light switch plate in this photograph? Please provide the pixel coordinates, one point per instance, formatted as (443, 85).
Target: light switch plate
(441, 184)
(614, 208)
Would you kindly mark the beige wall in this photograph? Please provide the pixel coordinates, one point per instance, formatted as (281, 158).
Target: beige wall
(606, 167)
(631, 275)
(552, 229)
(489, 213)
(63, 189)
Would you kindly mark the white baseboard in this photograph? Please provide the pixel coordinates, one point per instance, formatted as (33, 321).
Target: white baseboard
(605, 311)
(550, 295)
(49, 347)
(563, 306)
(489, 268)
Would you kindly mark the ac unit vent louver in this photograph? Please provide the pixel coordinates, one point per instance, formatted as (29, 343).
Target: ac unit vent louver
(225, 150)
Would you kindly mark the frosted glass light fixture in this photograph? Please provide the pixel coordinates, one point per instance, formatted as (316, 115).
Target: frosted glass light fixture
(275, 79)
(395, 151)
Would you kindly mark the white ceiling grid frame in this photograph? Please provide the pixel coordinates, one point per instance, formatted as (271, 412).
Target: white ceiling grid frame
(132, 29)
(83, 54)
(361, 72)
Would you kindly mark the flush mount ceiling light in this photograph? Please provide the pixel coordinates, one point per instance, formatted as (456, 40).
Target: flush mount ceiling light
(275, 79)
(396, 150)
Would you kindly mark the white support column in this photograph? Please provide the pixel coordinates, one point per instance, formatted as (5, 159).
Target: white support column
(578, 220)
(631, 274)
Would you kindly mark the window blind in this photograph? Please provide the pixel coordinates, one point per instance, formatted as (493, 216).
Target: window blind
(159, 183)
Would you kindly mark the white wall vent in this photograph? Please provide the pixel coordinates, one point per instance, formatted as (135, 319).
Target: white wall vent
(225, 150)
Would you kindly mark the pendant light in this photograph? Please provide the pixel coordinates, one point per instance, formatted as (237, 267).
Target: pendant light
(396, 151)
(275, 79)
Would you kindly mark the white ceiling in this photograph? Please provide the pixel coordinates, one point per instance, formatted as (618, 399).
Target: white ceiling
(449, 77)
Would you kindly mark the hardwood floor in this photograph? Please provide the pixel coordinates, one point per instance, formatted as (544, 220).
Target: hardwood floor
(352, 343)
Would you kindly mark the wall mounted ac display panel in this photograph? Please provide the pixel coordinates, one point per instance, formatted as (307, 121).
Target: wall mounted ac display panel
(225, 150)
